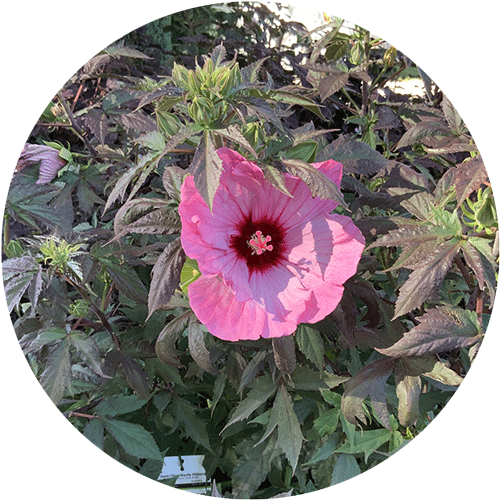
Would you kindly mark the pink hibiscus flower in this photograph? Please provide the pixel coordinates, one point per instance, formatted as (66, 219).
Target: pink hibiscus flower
(50, 161)
(268, 261)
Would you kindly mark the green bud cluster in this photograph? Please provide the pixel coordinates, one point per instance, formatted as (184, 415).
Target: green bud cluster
(482, 214)
(207, 88)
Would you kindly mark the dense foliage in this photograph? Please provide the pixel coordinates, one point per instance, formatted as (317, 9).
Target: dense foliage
(96, 278)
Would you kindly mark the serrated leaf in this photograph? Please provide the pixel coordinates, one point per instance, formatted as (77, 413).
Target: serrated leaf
(319, 184)
(194, 427)
(252, 468)
(275, 177)
(468, 177)
(325, 451)
(440, 329)
(165, 344)
(206, 169)
(307, 379)
(422, 130)
(121, 185)
(263, 389)
(88, 350)
(94, 432)
(197, 348)
(311, 344)
(327, 422)
(366, 442)
(119, 404)
(133, 438)
(357, 157)
(425, 281)
(473, 260)
(135, 376)
(346, 467)
(252, 369)
(332, 83)
(126, 280)
(172, 181)
(161, 220)
(289, 434)
(284, 353)
(57, 374)
(233, 134)
(369, 381)
(165, 276)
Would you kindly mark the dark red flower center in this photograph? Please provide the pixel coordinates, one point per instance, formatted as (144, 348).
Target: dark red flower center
(259, 242)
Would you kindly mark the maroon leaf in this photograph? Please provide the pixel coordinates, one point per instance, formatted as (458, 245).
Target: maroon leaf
(408, 386)
(425, 281)
(165, 276)
(206, 168)
(332, 83)
(165, 344)
(469, 176)
(369, 381)
(284, 353)
(441, 329)
(424, 130)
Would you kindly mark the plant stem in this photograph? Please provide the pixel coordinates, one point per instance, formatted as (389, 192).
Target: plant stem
(77, 129)
(99, 313)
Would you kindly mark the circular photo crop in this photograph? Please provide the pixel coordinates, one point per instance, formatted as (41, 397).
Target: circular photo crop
(250, 255)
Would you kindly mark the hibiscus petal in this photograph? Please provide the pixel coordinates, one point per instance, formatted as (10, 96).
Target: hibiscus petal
(325, 258)
(215, 306)
(302, 207)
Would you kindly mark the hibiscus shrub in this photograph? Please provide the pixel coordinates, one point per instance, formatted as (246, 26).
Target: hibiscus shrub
(290, 279)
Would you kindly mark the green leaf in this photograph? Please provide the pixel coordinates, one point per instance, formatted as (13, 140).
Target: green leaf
(369, 381)
(263, 389)
(311, 344)
(441, 329)
(426, 280)
(190, 272)
(346, 467)
(306, 379)
(319, 184)
(327, 422)
(305, 151)
(206, 169)
(252, 468)
(325, 451)
(165, 276)
(94, 432)
(57, 374)
(133, 438)
(119, 404)
(289, 434)
(366, 442)
(195, 428)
